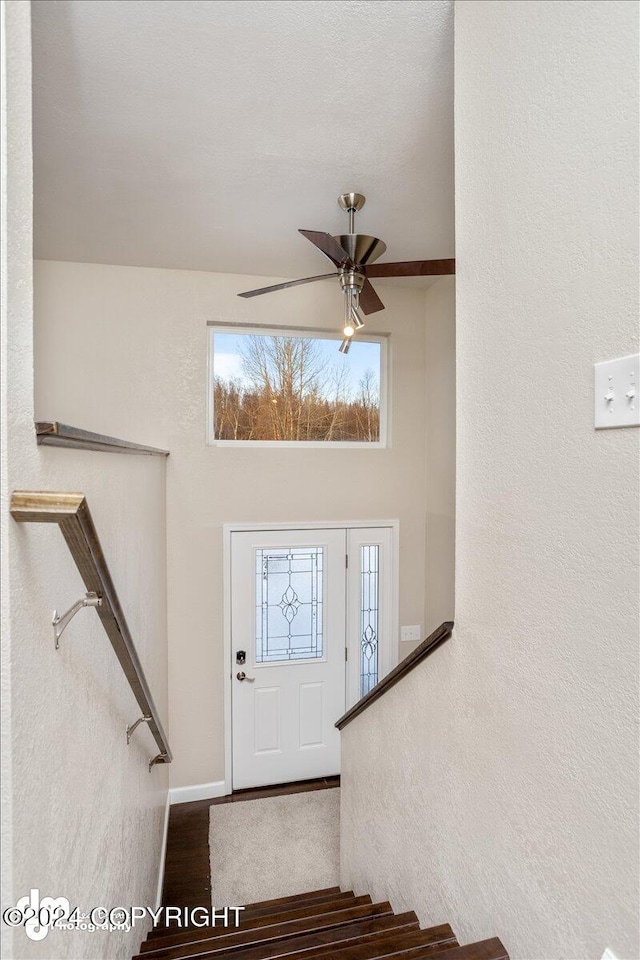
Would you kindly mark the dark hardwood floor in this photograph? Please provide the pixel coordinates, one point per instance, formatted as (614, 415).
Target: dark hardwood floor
(187, 872)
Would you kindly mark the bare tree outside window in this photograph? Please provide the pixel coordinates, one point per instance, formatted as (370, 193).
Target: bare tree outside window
(288, 388)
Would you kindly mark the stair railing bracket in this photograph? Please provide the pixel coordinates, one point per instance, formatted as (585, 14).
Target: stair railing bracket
(60, 622)
(132, 726)
(160, 758)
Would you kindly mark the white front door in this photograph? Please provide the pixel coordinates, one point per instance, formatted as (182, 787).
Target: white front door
(288, 635)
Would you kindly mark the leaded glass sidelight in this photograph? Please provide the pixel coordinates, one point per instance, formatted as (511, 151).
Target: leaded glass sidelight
(289, 611)
(369, 615)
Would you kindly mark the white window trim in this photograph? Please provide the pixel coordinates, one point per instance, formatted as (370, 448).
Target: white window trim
(314, 333)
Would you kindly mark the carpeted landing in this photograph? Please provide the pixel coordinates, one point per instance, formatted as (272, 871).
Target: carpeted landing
(274, 847)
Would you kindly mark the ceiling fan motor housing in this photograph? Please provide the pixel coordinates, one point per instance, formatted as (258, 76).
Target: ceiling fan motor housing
(361, 248)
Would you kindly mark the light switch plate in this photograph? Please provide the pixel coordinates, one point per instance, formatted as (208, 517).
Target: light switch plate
(410, 634)
(617, 392)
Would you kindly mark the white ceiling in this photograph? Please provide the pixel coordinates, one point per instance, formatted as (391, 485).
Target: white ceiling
(201, 135)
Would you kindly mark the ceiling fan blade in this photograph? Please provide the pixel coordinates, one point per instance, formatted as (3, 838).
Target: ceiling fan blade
(370, 302)
(283, 286)
(412, 268)
(328, 245)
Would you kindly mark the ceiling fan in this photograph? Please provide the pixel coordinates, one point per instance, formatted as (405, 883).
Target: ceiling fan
(354, 255)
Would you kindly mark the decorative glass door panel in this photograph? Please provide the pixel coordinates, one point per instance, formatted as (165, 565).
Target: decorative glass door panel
(369, 615)
(289, 604)
(372, 637)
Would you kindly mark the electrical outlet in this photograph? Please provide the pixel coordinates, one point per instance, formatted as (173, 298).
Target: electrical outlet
(608, 955)
(410, 634)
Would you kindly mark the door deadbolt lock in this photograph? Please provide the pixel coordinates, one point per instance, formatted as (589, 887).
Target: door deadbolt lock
(241, 656)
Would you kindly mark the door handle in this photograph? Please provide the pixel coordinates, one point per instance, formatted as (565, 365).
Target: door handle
(241, 675)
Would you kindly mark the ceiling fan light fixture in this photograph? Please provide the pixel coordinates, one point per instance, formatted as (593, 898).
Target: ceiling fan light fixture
(350, 298)
(357, 320)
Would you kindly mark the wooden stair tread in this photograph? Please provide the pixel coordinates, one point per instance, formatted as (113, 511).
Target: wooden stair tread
(338, 901)
(251, 922)
(251, 912)
(297, 898)
(435, 939)
(267, 932)
(265, 907)
(393, 944)
(492, 949)
(318, 942)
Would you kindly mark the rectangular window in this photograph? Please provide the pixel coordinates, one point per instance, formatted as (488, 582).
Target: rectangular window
(289, 584)
(295, 388)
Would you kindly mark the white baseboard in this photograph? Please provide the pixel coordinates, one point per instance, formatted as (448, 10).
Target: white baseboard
(198, 791)
(163, 851)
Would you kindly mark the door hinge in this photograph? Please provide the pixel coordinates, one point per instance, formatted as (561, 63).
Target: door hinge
(346, 560)
(346, 653)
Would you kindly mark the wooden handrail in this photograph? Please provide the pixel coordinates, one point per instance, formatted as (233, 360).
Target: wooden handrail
(52, 433)
(71, 512)
(405, 666)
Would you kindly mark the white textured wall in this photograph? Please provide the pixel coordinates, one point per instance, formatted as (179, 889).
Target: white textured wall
(505, 768)
(149, 326)
(440, 421)
(15, 310)
(84, 815)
